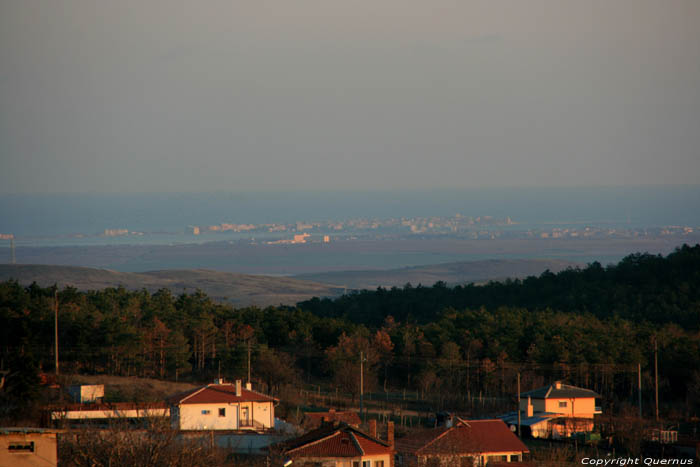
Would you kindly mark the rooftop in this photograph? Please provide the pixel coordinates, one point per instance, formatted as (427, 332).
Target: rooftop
(219, 394)
(465, 437)
(558, 390)
(336, 440)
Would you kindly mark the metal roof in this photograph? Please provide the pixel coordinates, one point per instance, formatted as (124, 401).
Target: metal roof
(564, 391)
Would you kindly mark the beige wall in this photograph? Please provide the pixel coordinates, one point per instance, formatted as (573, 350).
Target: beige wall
(342, 461)
(190, 416)
(579, 407)
(45, 452)
(264, 414)
(449, 461)
(583, 407)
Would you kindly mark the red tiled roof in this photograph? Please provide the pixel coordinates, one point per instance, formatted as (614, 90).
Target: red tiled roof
(338, 444)
(315, 419)
(217, 394)
(466, 437)
(336, 441)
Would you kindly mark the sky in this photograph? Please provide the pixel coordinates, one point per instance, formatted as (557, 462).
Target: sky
(181, 96)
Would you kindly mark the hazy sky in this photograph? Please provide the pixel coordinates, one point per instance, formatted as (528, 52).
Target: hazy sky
(364, 94)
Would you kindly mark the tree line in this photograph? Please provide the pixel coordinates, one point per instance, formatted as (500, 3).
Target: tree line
(589, 326)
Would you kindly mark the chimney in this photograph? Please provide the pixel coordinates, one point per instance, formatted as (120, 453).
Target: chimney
(530, 408)
(390, 433)
(249, 386)
(557, 385)
(219, 381)
(373, 428)
(238, 388)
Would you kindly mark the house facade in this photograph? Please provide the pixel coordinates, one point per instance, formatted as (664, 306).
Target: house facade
(467, 443)
(223, 406)
(28, 447)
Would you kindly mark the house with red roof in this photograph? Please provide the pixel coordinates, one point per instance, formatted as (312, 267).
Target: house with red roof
(341, 445)
(465, 443)
(223, 406)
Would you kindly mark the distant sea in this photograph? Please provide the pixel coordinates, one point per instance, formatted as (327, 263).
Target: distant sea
(51, 220)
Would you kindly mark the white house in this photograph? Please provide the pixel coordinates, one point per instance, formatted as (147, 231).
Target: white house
(223, 406)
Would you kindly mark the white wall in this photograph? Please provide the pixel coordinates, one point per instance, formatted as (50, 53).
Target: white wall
(192, 418)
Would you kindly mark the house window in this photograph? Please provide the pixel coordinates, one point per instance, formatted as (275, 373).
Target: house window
(515, 458)
(562, 404)
(355, 463)
(21, 447)
(222, 412)
(378, 463)
(366, 463)
(206, 412)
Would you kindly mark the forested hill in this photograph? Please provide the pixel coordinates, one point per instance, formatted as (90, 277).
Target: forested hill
(641, 287)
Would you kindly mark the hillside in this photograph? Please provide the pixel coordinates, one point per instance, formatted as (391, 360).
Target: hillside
(451, 273)
(237, 289)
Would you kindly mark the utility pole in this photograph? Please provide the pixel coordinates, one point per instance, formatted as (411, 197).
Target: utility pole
(519, 433)
(55, 326)
(639, 387)
(12, 250)
(249, 360)
(362, 380)
(656, 376)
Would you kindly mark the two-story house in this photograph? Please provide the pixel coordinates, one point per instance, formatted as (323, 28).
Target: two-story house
(555, 411)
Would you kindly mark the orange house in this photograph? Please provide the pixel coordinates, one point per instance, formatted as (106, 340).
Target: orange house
(561, 399)
(557, 411)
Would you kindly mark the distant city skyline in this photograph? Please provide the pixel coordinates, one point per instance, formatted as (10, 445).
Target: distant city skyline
(236, 96)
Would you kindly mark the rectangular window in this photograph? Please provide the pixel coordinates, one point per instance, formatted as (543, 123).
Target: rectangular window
(206, 412)
(562, 404)
(366, 463)
(222, 412)
(27, 446)
(355, 463)
(515, 458)
(379, 464)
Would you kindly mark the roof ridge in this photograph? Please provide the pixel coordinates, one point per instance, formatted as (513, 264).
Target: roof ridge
(357, 443)
(197, 391)
(435, 439)
(375, 439)
(311, 443)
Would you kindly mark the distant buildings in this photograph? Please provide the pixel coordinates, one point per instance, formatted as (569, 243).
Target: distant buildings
(115, 232)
